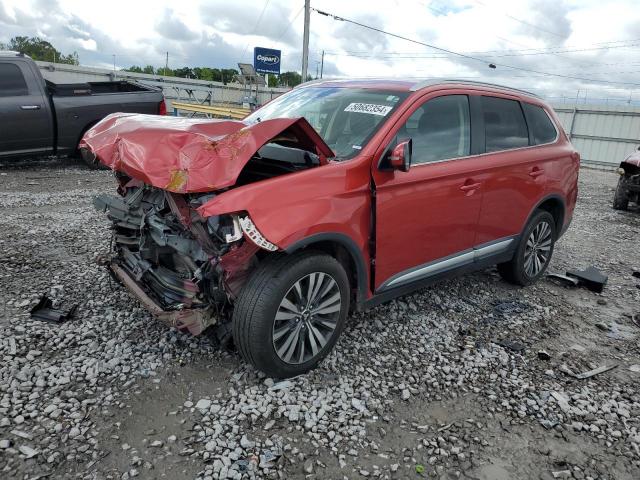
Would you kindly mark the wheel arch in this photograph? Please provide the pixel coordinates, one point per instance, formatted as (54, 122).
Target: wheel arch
(556, 206)
(345, 250)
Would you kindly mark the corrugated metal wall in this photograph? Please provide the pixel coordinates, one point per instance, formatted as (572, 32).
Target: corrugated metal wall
(174, 88)
(603, 135)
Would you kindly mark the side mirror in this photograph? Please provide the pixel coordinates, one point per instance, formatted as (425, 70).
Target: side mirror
(400, 158)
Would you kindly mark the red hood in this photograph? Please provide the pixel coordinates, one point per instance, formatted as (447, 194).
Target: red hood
(186, 155)
(633, 159)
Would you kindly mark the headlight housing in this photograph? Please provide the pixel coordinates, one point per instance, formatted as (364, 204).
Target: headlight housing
(253, 234)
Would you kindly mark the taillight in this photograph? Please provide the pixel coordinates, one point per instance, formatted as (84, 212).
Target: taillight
(162, 108)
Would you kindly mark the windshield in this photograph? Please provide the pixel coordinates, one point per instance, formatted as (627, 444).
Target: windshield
(345, 118)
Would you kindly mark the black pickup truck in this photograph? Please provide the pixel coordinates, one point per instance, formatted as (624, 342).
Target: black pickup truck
(38, 117)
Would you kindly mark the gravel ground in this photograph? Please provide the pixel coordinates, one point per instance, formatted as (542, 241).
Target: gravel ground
(468, 379)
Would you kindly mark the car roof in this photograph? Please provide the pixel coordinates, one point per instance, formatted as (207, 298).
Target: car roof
(410, 85)
(10, 53)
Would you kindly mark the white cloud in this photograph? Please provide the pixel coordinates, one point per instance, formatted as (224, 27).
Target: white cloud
(221, 33)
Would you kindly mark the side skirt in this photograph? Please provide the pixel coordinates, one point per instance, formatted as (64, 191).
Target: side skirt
(479, 258)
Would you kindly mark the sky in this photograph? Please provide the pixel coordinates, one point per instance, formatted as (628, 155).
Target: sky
(585, 49)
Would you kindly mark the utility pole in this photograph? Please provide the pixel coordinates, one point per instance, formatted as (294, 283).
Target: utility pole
(114, 63)
(322, 64)
(305, 40)
(166, 65)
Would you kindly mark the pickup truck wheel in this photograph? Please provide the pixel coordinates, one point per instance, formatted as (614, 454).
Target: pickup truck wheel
(291, 312)
(534, 251)
(621, 196)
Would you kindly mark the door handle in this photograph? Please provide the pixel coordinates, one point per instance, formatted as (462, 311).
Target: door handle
(29, 107)
(536, 172)
(469, 186)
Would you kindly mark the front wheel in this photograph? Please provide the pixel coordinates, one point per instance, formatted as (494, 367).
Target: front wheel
(291, 312)
(621, 195)
(534, 251)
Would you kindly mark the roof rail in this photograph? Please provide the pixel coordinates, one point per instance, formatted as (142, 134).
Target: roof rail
(438, 81)
(10, 53)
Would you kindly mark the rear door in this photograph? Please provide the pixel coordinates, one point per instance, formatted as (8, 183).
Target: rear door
(515, 170)
(426, 218)
(25, 122)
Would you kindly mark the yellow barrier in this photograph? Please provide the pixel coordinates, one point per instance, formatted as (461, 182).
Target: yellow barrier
(213, 110)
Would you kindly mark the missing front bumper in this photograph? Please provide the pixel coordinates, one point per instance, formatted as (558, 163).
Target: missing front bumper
(194, 320)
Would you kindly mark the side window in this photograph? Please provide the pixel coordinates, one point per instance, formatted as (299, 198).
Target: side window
(12, 82)
(542, 130)
(440, 129)
(504, 124)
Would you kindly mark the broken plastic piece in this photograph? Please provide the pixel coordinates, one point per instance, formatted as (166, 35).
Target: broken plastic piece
(563, 279)
(44, 311)
(591, 278)
(588, 374)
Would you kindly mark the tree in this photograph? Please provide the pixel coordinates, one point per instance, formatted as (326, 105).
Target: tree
(290, 79)
(40, 49)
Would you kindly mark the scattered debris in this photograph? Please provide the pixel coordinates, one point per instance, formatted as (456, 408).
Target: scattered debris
(591, 278)
(268, 459)
(544, 355)
(588, 374)
(510, 307)
(563, 279)
(44, 311)
(548, 424)
(636, 274)
(603, 326)
(512, 345)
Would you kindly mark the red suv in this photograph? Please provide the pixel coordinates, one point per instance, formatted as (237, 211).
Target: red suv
(337, 195)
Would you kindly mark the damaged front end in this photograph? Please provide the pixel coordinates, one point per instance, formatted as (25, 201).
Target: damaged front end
(186, 269)
(183, 268)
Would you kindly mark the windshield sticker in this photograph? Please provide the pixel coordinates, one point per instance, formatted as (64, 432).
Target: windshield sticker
(370, 108)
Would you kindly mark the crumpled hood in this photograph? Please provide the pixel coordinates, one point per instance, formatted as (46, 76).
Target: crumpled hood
(187, 155)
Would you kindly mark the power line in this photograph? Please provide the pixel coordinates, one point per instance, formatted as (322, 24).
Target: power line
(469, 57)
(531, 25)
(290, 23)
(255, 27)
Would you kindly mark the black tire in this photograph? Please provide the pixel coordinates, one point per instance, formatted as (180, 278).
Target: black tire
(254, 316)
(621, 195)
(518, 271)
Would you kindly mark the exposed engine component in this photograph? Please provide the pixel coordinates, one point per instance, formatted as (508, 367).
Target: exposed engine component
(168, 250)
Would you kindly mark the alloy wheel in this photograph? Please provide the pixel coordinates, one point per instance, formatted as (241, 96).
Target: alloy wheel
(306, 318)
(538, 249)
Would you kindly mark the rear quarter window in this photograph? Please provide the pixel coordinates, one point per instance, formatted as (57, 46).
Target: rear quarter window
(504, 124)
(12, 82)
(540, 125)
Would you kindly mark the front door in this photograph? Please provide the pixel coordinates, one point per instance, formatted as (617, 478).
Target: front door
(25, 123)
(426, 218)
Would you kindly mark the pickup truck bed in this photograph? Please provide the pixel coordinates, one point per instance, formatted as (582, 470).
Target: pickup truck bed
(39, 117)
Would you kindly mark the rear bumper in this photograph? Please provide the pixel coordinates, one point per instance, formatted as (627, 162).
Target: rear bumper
(195, 320)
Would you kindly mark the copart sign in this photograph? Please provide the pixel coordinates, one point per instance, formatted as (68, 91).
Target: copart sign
(266, 60)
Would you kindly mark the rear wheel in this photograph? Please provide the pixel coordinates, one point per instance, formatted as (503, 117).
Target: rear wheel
(621, 195)
(291, 312)
(534, 251)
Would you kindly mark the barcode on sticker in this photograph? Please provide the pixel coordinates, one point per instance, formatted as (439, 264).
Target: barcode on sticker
(370, 108)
